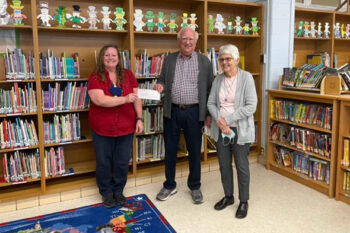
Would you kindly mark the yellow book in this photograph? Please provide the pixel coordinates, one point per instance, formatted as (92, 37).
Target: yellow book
(272, 109)
(242, 63)
(345, 159)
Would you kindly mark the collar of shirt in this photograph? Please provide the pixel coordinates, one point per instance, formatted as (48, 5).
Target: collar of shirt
(183, 57)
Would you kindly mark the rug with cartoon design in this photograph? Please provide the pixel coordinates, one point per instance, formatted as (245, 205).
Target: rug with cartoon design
(138, 215)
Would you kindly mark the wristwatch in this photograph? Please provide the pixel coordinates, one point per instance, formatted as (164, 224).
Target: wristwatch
(139, 118)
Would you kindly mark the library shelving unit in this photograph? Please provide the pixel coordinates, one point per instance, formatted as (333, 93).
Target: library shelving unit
(291, 117)
(250, 49)
(341, 52)
(79, 154)
(343, 170)
(305, 46)
(337, 48)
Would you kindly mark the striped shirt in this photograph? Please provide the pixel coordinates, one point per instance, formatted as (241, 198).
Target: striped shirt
(185, 84)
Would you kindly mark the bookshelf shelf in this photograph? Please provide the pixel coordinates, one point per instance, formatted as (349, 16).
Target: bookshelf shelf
(65, 80)
(65, 111)
(16, 81)
(326, 167)
(302, 125)
(80, 30)
(18, 114)
(302, 151)
(68, 143)
(312, 39)
(29, 27)
(234, 36)
(33, 38)
(27, 181)
(18, 149)
(343, 166)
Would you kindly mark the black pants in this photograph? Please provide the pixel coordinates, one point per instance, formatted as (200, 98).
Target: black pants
(240, 154)
(188, 120)
(112, 162)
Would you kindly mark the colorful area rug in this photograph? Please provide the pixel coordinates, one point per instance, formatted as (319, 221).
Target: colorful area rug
(137, 215)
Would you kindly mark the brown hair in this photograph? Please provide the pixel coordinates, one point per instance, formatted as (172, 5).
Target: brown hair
(101, 67)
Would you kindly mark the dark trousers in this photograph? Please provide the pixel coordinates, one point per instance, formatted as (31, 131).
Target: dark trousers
(186, 119)
(112, 162)
(240, 154)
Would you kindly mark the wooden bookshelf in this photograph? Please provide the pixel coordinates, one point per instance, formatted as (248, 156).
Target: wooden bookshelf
(304, 98)
(305, 46)
(32, 37)
(344, 133)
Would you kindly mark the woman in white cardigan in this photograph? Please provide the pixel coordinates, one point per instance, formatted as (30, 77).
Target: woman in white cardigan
(232, 103)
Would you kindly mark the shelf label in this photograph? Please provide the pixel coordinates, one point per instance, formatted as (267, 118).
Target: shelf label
(21, 148)
(63, 143)
(19, 182)
(14, 114)
(347, 195)
(275, 165)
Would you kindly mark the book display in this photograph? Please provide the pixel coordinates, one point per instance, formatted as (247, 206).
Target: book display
(343, 163)
(46, 143)
(302, 141)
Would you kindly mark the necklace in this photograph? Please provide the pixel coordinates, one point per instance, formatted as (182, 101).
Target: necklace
(228, 86)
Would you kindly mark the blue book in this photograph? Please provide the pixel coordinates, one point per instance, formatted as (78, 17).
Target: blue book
(70, 67)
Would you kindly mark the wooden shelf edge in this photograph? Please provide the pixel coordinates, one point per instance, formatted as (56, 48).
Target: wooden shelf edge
(303, 179)
(20, 194)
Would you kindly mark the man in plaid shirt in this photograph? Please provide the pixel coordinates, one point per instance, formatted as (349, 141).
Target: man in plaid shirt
(185, 80)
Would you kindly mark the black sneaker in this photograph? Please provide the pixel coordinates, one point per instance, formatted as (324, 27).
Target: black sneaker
(108, 202)
(119, 199)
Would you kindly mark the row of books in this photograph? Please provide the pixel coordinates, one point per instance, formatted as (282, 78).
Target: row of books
(18, 99)
(147, 66)
(150, 147)
(153, 119)
(54, 162)
(63, 67)
(345, 159)
(19, 165)
(345, 77)
(18, 66)
(69, 96)
(213, 57)
(17, 133)
(148, 85)
(346, 183)
(62, 129)
(315, 168)
(305, 113)
(303, 139)
(306, 76)
(125, 59)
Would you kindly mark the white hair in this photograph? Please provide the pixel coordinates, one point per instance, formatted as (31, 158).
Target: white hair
(179, 34)
(229, 49)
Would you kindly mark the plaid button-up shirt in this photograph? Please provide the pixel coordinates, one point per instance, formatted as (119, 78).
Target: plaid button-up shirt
(185, 85)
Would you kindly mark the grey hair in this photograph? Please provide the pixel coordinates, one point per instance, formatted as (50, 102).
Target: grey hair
(229, 49)
(179, 34)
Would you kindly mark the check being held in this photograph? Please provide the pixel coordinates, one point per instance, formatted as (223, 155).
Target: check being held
(148, 94)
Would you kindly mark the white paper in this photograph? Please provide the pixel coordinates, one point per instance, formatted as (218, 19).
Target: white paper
(148, 94)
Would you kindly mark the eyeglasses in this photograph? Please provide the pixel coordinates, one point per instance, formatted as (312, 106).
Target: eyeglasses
(226, 59)
(187, 39)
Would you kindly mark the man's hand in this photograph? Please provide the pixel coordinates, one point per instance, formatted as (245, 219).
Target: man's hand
(158, 87)
(208, 121)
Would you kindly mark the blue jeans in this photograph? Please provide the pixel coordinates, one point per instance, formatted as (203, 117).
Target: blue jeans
(188, 120)
(112, 162)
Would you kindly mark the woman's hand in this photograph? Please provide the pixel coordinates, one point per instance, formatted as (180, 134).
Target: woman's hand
(221, 123)
(139, 127)
(131, 98)
(226, 130)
